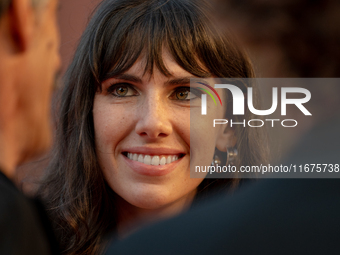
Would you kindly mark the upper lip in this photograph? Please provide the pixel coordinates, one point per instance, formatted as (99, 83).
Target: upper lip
(154, 151)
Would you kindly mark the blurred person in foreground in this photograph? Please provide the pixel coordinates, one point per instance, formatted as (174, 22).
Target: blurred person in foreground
(273, 216)
(29, 43)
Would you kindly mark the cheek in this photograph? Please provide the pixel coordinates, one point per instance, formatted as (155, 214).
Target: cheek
(180, 121)
(102, 126)
(111, 124)
(202, 143)
(203, 136)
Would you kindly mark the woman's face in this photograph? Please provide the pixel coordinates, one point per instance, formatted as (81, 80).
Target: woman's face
(142, 135)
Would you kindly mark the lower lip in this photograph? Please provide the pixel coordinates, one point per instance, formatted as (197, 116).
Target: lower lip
(150, 170)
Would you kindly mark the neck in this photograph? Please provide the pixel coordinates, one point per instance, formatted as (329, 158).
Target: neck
(132, 218)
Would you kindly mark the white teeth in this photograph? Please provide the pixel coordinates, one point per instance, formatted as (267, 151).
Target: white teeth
(163, 161)
(155, 161)
(152, 160)
(168, 160)
(147, 160)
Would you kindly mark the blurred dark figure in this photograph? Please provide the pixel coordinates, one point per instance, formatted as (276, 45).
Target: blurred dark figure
(29, 43)
(273, 216)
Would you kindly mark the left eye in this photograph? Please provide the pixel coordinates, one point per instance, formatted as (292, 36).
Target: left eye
(183, 93)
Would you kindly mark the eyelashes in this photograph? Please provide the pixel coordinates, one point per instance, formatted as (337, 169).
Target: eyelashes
(123, 90)
(185, 94)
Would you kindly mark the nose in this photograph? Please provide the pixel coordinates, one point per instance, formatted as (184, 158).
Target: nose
(154, 118)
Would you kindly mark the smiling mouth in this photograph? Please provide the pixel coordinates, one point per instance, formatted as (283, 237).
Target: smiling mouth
(153, 160)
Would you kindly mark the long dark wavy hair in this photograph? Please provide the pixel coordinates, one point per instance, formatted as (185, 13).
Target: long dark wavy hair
(80, 202)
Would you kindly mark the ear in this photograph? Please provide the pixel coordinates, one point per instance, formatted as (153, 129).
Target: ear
(22, 20)
(226, 139)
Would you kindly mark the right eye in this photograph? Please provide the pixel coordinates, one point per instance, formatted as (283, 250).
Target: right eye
(122, 90)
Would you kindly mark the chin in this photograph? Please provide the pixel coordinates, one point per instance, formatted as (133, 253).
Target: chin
(150, 198)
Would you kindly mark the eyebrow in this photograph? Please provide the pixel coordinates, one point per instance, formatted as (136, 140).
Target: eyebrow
(128, 77)
(179, 81)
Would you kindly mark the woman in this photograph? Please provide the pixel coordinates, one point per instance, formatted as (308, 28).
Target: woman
(123, 148)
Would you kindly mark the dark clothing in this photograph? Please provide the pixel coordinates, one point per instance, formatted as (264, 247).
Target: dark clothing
(272, 216)
(24, 227)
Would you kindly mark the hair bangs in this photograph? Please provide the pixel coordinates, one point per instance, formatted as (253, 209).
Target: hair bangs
(156, 26)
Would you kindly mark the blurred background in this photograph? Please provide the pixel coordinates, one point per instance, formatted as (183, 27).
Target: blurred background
(73, 18)
(284, 38)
